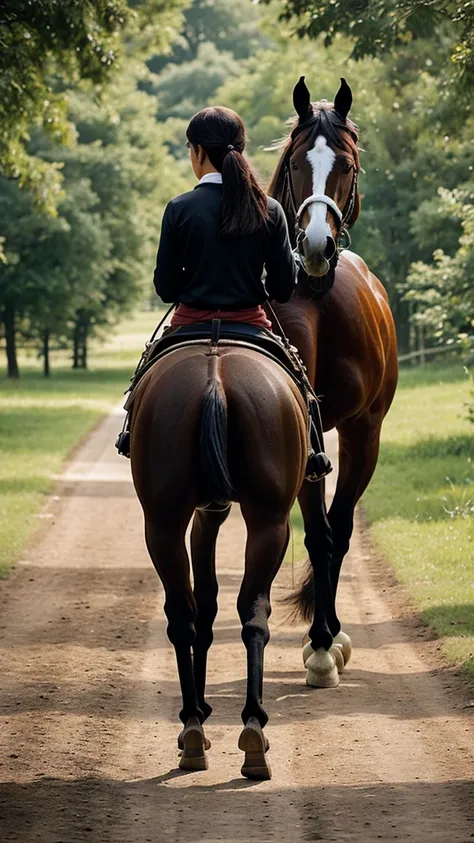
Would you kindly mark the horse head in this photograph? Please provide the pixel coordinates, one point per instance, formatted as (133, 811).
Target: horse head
(317, 177)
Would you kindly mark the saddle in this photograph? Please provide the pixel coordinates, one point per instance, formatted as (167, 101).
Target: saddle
(246, 336)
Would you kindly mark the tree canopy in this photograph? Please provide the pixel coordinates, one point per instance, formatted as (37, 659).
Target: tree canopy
(46, 46)
(378, 26)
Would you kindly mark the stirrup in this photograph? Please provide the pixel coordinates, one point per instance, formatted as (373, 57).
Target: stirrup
(317, 467)
(122, 442)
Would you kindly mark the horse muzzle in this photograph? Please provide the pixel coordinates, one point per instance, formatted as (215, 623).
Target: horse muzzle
(317, 263)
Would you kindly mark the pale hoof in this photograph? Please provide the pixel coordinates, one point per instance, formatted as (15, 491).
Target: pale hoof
(193, 744)
(307, 652)
(253, 742)
(336, 652)
(322, 670)
(343, 640)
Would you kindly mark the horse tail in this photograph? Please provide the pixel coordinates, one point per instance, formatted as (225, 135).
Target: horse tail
(301, 601)
(213, 440)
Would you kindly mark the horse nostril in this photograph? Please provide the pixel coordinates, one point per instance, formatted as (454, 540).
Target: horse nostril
(330, 248)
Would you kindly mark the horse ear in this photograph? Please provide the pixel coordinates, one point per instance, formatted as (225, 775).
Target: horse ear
(343, 100)
(302, 100)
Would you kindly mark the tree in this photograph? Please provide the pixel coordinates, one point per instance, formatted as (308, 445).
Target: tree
(443, 289)
(183, 89)
(45, 45)
(231, 27)
(378, 26)
(69, 277)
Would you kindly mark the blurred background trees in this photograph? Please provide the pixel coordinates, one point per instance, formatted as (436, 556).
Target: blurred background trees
(94, 101)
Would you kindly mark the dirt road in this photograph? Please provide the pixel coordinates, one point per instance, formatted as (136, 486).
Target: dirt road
(89, 700)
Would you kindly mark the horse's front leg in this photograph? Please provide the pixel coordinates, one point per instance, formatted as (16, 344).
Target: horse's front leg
(316, 598)
(358, 453)
(266, 546)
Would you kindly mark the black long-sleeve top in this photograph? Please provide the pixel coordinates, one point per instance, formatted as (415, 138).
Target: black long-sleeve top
(199, 267)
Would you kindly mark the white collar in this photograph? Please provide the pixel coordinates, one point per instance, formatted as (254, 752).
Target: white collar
(212, 178)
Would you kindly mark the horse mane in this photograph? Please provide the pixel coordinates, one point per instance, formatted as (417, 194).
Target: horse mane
(325, 121)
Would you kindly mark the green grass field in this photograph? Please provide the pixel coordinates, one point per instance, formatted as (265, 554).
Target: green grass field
(420, 504)
(41, 420)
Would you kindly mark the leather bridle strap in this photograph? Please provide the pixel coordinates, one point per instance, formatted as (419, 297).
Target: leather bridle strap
(341, 216)
(323, 199)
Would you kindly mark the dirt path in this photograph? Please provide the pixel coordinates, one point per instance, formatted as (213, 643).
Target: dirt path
(89, 697)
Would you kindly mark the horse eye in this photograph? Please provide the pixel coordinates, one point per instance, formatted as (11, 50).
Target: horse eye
(294, 167)
(347, 166)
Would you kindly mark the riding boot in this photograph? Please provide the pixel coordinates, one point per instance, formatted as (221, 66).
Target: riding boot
(318, 464)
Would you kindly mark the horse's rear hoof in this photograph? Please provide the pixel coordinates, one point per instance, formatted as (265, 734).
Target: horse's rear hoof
(252, 741)
(207, 743)
(193, 744)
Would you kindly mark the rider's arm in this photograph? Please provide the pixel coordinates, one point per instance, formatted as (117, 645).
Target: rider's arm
(279, 261)
(169, 267)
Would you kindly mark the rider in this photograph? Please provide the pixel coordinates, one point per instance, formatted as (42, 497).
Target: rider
(216, 239)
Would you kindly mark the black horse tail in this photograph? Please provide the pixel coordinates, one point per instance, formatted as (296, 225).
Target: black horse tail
(217, 484)
(301, 602)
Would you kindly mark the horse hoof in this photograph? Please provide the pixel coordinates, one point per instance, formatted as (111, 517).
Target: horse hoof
(345, 643)
(252, 741)
(321, 670)
(307, 652)
(193, 744)
(207, 743)
(336, 652)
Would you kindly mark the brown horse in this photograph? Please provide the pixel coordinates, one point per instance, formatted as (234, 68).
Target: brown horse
(340, 321)
(217, 423)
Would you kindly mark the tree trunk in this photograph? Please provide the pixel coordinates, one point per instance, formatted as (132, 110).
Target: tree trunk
(85, 332)
(46, 366)
(81, 331)
(421, 343)
(75, 346)
(10, 340)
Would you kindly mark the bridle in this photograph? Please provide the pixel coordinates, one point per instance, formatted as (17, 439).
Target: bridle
(343, 239)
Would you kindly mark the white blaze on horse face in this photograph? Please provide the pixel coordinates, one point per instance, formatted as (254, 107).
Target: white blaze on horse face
(321, 157)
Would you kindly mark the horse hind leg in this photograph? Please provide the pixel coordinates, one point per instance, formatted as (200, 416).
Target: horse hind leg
(206, 525)
(168, 552)
(266, 546)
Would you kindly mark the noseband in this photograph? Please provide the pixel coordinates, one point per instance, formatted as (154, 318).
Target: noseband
(343, 239)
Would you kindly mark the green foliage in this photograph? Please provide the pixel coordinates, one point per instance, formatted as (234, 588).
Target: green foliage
(229, 27)
(378, 26)
(183, 89)
(45, 45)
(443, 289)
(96, 256)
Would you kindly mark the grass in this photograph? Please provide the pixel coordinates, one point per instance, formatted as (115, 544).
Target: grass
(41, 420)
(420, 504)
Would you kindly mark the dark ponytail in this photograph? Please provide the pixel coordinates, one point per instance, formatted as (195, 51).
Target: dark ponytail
(221, 133)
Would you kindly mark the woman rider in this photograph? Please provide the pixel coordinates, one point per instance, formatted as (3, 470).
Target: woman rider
(216, 239)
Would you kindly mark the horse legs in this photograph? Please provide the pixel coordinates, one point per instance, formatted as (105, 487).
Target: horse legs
(358, 452)
(320, 657)
(266, 546)
(206, 526)
(168, 552)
